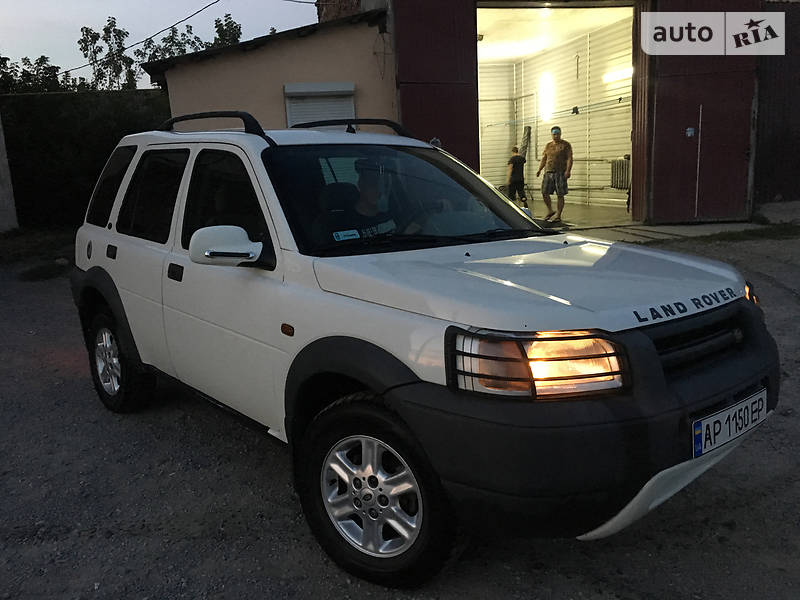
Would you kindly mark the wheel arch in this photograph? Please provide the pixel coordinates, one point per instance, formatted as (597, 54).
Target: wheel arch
(95, 290)
(332, 367)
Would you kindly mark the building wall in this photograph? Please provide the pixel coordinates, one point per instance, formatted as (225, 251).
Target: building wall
(436, 47)
(8, 211)
(704, 177)
(333, 9)
(437, 72)
(777, 176)
(253, 81)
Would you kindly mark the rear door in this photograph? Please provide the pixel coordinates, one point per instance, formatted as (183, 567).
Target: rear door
(222, 323)
(135, 255)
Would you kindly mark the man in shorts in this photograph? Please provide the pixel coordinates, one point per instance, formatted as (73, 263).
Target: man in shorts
(557, 165)
(516, 177)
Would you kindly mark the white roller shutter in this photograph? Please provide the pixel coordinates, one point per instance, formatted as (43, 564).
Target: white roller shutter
(497, 127)
(304, 110)
(318, 101)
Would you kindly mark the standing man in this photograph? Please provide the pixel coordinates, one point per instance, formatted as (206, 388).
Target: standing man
(557, 165)
(516, 177)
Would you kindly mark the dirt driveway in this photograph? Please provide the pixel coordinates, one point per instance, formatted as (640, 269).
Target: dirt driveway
(186, 501)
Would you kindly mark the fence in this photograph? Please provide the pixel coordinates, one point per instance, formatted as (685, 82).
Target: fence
(57, 144)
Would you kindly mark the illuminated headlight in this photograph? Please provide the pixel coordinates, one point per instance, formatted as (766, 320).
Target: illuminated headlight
(545, 366)
(749, 293)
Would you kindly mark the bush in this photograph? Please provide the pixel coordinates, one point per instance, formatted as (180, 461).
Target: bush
(57, 144)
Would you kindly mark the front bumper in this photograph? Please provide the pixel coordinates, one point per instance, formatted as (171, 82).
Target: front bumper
(571, 466)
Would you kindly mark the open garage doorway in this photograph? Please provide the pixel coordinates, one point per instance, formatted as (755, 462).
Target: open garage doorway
(571, 67)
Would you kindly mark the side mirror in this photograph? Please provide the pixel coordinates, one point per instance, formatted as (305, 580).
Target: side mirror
(227, 245)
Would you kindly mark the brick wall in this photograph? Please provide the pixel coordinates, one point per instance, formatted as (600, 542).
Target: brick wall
(328, 10)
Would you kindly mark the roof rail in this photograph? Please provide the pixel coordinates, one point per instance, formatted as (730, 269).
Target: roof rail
(251, 125)
(397, 127)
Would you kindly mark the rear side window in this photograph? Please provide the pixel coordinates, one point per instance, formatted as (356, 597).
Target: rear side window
(107, 186)
(147, 209)
(221, 193)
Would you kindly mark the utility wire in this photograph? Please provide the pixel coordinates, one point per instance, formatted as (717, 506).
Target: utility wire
(105, 58)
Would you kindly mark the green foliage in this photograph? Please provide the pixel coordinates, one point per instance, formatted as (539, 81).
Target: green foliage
(58, 143)
(112, 69)
(228, 32)
(34, 76)
(173, 44)
(105, 51)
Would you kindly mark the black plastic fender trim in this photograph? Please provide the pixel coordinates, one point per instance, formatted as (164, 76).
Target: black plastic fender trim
(357, 359)
(98, 279)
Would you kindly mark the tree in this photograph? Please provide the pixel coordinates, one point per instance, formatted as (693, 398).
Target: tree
(32, 76)
(8, 75)
(229, 32)
(177, 43)
(172, 44)
(112, 69)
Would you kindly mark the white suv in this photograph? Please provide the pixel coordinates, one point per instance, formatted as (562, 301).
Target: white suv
(431, 355)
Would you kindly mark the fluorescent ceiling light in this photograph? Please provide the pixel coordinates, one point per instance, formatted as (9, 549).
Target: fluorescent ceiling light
(506, 50)
(618, 75)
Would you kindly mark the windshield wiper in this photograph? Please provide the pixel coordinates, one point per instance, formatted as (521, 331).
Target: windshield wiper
(493, 234)
(391, 238)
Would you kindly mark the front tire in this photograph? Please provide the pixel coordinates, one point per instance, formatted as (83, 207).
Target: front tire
(370, 496)
(119, 380)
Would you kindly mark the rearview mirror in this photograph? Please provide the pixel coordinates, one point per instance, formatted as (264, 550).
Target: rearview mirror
(227, 245)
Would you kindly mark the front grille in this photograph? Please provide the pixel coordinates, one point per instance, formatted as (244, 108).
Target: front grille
(698, 340)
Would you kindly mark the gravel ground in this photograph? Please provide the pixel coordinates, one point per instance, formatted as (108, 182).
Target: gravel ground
(186, 501)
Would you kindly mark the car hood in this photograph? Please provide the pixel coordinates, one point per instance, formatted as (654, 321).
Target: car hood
(556, 282)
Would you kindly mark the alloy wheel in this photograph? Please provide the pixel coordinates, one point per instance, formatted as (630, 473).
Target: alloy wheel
(371, 496)
(106, 358)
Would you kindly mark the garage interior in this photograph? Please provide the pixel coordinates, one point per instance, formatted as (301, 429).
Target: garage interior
(572, 67)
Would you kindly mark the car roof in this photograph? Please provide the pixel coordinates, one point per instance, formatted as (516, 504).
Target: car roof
(276, 137)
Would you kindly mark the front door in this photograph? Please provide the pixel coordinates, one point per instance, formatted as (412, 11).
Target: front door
(222, 322)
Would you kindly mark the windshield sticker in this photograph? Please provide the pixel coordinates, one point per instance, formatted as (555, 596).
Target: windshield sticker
(350, 234)
(678, 309)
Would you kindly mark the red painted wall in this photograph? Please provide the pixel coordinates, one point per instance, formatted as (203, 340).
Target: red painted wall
(437, 72)
(725, 86)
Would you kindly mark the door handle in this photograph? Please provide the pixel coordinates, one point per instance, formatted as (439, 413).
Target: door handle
(221, 254)
(111, 251)
(175, 272)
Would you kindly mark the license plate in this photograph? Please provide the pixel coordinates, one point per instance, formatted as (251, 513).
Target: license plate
(714, 431)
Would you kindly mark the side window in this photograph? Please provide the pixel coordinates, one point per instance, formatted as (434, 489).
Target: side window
(339, 169)
(107, 186)
(221, 193)
(147, 209)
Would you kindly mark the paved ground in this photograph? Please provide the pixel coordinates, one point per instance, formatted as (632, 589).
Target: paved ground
(614, 222)
(185, 501)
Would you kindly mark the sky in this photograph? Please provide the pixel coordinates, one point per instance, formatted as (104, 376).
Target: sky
(52, 27)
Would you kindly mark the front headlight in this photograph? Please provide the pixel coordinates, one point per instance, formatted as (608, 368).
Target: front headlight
(749, 293)
(546, 365)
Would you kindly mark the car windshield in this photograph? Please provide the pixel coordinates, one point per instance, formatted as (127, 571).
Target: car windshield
(359, 199)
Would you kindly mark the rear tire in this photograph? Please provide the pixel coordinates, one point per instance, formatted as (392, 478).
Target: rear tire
(120, 380)
(371, 498)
